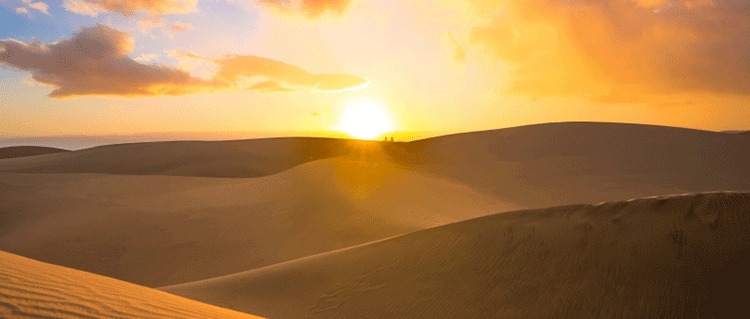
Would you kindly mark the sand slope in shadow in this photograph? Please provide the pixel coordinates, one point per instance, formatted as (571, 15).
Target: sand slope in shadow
(240, 158)
(160, 230)
(568, 163)
(674, 257)
(25, 151)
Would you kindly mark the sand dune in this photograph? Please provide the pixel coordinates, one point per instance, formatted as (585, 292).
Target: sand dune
(160, 230)
(568, 163)
(670, 257)
(24, 151)
(32, 289)
(241, 158)
(311, 195)
(532, 166)
(736, 132)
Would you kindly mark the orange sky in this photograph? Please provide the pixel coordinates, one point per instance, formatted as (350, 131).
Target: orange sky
(85, 67)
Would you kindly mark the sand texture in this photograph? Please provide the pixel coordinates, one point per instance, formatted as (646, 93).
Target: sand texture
(32, 289)
(501, 223)
(670, 257)
(161, 230)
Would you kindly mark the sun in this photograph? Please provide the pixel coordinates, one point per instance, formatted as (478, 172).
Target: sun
(365, 119)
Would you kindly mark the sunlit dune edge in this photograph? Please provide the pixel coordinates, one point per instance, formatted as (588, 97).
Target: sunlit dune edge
(672, 256)
(33, 289)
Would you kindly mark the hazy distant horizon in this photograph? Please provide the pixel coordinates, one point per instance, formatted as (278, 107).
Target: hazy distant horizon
(77, 142)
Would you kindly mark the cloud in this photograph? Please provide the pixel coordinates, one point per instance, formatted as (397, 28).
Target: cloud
(148, 23)
(130, 7)
(271, 75)
(194, 64)
(146, 57)
(177, 27)
(620, 50)
(28, 4)
(38, 6)
(241, 72)
(96, 62)
(310, 8)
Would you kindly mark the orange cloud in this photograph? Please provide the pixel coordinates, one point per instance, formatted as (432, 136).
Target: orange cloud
(270, 75)
(311, 8)
(177, 27)
(622, 49)
(96, 62)
(129, 7)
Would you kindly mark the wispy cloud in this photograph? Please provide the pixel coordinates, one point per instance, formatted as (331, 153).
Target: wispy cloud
(247, 71)
(130, 7)
(151, 22)
(38, 6)
(147, 57)
(178, 27)
(96, 61)
(310, 8)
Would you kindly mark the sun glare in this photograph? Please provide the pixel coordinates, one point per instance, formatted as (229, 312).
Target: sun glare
(365, 119)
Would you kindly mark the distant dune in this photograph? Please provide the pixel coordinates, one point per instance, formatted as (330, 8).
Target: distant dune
(32, 289)
(565, 163)
(24, 151)
(680, 256)
(568, 162)
(160, 230)
(241, 158)
(166, 213)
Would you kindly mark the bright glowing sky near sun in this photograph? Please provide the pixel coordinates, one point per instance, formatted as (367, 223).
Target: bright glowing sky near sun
(104, 67)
